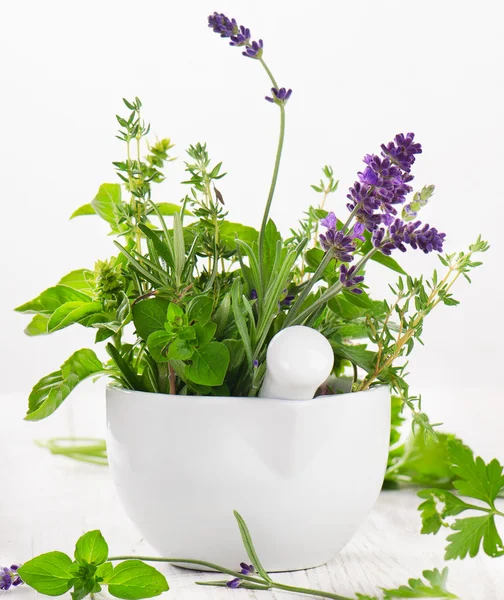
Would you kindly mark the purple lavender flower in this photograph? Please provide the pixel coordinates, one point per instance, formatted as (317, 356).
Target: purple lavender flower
(384, 183)
(222, 25)
(247, 569)
(279, 96)
(238, 34)
(254, 49)
(358, 231)
(402, 150)
(253, 294)
(349, 279)
(401, 234)
(234, 583)
(341, 244)
(9, 577)
(256, 363)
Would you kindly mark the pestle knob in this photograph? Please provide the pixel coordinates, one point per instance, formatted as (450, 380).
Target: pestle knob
(299, 359)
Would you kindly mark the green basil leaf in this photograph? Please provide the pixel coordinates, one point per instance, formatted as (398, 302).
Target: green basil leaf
(134, 580)
(51, 390)
(84, 588)
(158, 343)
(167, 209)
(106, 203)
(91, 548)
(175, 314)
(205, 333)
(80, 279)
(85, 209)
(149, 316)
(72, 312)
(52, 298)
(104, 571)
(180, 350)
(229, 232)
(200, 309)
(209, 364)
(37, 326)
(49, 573)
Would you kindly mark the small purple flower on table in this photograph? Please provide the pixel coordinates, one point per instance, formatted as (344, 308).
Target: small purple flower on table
(234, 583)
(247, 569)
(9, 577)
(349, 279)
(341, 244)
(279, 96)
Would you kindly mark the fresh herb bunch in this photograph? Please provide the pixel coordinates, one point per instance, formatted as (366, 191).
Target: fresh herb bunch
(55, 573)
(203, 296)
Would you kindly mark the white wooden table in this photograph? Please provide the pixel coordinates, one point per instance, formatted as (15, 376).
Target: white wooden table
(46, 502)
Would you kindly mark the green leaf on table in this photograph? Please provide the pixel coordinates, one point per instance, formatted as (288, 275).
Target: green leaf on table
(470, 534)
(249, 546)
(433, 587)
(72, 312)
(91, 548)
(80, 279)
(48, 394)
(83, 588)
(149, 315)
(52, 298)
(209, 364)
(134, 580)
(37, 326)
(49, 573)
(437, 506)
(474, 478)
(85, 209)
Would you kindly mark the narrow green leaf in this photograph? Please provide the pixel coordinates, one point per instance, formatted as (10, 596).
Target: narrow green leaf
(70, 313)
(249, 546)
(130, 377)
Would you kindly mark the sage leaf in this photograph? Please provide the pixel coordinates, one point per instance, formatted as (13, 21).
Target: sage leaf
(49, 573)
(91, 548)
(134, 580)
(48, 394)
(149, 316)
(249, 546)
(209, 364)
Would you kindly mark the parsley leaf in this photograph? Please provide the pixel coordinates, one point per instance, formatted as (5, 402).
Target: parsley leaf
(474, 479)
(433, 587)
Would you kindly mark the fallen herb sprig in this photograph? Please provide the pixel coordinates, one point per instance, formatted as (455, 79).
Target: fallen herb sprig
(55, 573)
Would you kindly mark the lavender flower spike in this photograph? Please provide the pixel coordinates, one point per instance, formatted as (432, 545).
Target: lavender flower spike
(342, 245)
(237, 34)
(279, 96)
(349, 279)
(247, 569)
(234, 583)
(9, 577)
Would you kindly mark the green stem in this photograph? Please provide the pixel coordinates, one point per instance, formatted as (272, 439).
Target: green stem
(308, 287)
(262, 582)
(349, 220)
(330, 292)
(273, 181)
(270, 74)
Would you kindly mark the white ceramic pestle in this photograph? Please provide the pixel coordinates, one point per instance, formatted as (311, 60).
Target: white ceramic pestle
(299, 359)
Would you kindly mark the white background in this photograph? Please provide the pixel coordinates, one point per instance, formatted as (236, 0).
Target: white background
(361, 72)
